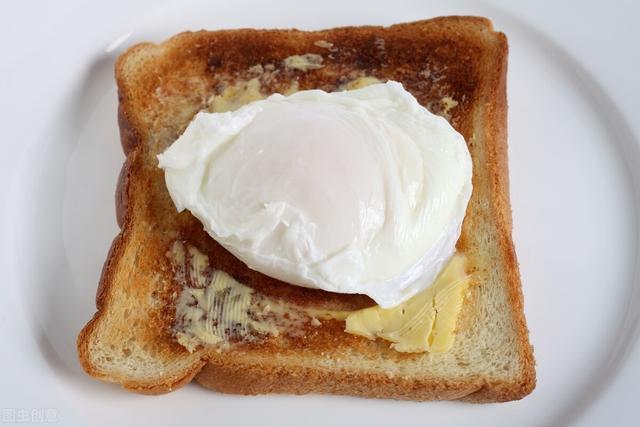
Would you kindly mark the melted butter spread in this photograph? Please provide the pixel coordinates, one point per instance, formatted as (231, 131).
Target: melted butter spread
(306, 62)
(448, 103)
(215, 309)
(359, 83)
(235, 96)
(243, 92)
(323, 44)
(426, 322)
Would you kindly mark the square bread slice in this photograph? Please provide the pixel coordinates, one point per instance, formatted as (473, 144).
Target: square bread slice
(455, 67)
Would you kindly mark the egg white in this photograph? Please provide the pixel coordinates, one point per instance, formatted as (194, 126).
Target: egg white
(362, 191)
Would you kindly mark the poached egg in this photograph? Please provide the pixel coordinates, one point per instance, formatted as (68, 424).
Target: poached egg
(362, 191)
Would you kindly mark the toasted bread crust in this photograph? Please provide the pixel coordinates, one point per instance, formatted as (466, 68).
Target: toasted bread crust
(498, 162)
(243, 377)
(240, 373)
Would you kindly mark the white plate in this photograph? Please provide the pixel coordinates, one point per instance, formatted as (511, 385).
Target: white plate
(574, 172)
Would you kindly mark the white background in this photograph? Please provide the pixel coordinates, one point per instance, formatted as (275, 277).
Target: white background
(55, 80)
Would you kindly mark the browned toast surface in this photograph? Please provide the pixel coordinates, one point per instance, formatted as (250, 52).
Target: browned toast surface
(455, 66)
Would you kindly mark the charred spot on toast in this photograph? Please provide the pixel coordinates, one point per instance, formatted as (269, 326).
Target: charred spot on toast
(423, 68)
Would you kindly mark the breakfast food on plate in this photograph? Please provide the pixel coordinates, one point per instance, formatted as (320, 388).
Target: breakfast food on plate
(320, 211)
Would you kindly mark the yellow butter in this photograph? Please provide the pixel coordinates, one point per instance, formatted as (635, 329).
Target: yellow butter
(359, 83)
(306, 62)
(426, 322)
(235, 96)
(215, 309)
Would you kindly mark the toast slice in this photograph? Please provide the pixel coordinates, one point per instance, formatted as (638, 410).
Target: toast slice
(456, 67)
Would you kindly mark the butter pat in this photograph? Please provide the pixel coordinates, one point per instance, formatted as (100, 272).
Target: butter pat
(425, 322)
